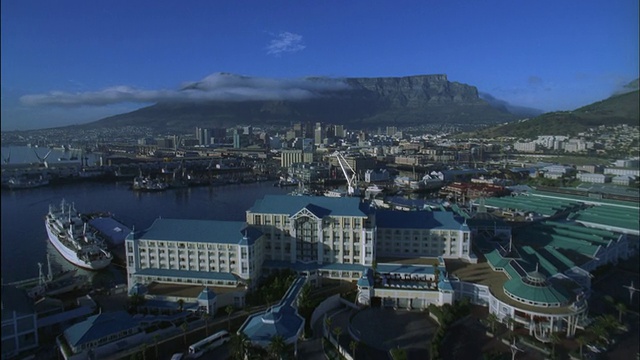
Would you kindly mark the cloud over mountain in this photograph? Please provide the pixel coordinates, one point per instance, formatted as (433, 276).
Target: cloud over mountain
(215, 87)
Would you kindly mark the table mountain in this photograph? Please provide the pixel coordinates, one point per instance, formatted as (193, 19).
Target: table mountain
(356, 103)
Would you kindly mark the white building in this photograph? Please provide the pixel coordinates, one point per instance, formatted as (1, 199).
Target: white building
(525, 147)
(593, 178)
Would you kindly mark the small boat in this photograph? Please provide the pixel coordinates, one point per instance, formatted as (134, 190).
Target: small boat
(144, 183)
(335, 193)
(56, 284)
(25, 183)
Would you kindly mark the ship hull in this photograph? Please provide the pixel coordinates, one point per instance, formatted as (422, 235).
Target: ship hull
(71, 256)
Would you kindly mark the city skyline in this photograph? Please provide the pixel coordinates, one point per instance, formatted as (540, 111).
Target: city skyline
(72, 62)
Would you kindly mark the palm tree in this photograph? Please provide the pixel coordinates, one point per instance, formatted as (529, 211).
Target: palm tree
(144, 351)
(184, 326)
(493, 320)
(581, 340)
(622, 308)
(229, 310)
(398, 354)
(555, 339)
(240, 345)
(156, 338)
(206, 316)
(337, 331)
(268, 297)
(353, 345)
(327, 324)
(277, 346)
(436, 274)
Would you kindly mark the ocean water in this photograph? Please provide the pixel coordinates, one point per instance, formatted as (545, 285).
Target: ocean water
(24, 239)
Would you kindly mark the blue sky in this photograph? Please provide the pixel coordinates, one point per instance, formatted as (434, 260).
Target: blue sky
(66, 62)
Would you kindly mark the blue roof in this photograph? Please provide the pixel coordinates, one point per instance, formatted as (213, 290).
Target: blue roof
(206, 294)
(99, 326)
(138, 289)
(366, 280)
(207, 275)
(66, 316)
(322, 205)
(111, 228)
(443, 220)
(204, 231)
(281, 319)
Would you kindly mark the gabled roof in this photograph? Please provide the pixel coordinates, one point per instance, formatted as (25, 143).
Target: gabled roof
(206, 294)
(285, 204)
(440, 220)
(204, 231)
(111, 228)
(99, 326)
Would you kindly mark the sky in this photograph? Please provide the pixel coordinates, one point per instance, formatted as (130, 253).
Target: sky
(69, 62)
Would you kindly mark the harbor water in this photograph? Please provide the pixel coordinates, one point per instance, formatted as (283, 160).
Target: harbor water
(24, 239)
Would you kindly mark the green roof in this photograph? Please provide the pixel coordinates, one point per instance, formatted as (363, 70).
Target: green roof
(542, 294)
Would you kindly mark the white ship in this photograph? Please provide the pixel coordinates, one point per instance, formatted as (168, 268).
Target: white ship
(68, 234)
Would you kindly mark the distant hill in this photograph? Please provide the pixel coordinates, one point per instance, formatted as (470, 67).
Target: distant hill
(362, 103)
(618, 109)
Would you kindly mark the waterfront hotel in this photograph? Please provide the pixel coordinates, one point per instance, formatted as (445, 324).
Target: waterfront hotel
(398, 259)
(320, 237)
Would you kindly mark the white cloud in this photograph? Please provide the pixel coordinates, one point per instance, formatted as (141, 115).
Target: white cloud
(285, 42)
(219, 86)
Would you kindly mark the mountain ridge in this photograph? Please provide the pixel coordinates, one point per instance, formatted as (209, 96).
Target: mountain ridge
(355, 102)
(621, 108)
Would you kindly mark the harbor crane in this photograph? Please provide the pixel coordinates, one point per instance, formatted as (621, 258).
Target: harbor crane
(43, 160)
(352, 181)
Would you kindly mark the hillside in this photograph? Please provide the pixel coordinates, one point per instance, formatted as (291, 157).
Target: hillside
(362, 103)
(618, 109)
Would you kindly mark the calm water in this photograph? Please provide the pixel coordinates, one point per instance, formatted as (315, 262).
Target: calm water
(24, 239)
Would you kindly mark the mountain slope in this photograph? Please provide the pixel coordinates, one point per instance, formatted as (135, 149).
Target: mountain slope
(616, 110)
(364, 102)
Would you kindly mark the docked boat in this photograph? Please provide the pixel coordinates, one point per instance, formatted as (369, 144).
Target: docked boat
(68, 234)
(16, 183)
(335, 193)
(56, 284)
(144, 183)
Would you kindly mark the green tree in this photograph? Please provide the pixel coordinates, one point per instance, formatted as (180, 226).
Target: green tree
(622, 308)
(353, 345)
(327, 324)
(436, 274)
(144, 351)
(240, 345)
(135, 301)
(206, 317)
(582, 341)
(277, 346)
(555, 339)
(229, 311)
(398, 354)
(156, 338)
(184, 326)
(492, 319)
(337, 331)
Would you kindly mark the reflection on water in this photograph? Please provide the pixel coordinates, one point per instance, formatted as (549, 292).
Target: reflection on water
(24, 239)
(106, 277)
